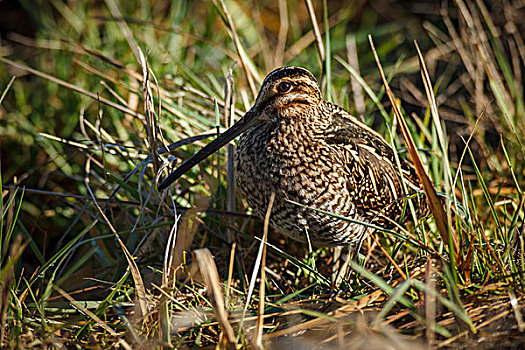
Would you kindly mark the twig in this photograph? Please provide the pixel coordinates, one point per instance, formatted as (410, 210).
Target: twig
(315, 26)
(239, 48)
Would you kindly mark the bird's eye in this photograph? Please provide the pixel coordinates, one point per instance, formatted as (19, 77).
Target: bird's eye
(284, 87)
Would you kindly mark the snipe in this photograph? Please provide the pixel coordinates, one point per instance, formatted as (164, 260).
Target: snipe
(310, 151)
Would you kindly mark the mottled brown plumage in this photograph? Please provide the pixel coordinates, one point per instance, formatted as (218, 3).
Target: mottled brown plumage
(310, 151)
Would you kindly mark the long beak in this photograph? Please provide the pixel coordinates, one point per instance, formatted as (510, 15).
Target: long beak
(246, 122)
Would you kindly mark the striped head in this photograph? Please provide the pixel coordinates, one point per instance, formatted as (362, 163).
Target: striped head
(285, 92)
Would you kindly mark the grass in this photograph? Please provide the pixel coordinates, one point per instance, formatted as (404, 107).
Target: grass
(93, 256)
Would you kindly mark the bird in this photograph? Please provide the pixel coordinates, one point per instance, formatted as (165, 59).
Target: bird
(321, 163)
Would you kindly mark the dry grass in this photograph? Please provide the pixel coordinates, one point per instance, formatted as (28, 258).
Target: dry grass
(100, 99)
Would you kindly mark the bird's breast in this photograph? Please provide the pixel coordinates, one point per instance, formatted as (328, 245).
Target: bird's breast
(297, 168)
(269, 159)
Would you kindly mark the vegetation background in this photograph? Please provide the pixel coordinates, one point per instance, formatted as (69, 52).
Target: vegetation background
(94, 92)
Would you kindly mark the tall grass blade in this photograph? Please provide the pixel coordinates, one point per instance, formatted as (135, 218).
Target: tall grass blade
(208, 270)
(433, 200)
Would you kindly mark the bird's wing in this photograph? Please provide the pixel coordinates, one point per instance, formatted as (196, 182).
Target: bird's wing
(371, 167)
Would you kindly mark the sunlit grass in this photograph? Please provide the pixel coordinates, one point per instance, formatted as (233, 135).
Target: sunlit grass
(91, 253)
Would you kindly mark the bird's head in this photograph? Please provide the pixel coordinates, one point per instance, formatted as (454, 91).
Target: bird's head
(285, 93)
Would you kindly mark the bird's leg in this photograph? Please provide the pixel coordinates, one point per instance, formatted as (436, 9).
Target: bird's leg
(342, 257)
(336, 265)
